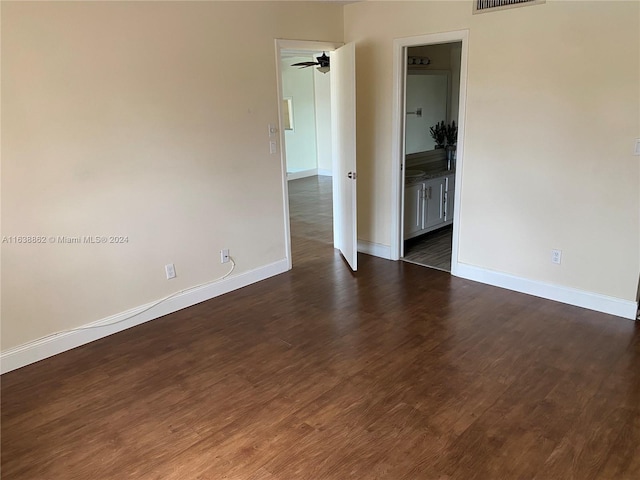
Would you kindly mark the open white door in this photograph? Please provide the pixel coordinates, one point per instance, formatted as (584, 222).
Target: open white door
(343, 117)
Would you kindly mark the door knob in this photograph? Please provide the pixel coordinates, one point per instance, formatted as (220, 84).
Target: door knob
(352, 175)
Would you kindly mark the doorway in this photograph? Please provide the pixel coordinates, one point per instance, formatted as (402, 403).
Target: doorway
(429, 96)
(296, 92)
(306, 111)
(432, 88)
(341, 134)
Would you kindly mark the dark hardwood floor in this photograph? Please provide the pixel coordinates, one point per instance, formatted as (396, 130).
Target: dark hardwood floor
(396, 372)
(311, 213)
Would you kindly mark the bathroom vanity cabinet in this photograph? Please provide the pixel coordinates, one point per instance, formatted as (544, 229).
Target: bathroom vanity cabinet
(428, 205)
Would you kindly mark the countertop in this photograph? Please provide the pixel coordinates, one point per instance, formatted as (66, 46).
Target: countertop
(430, 171)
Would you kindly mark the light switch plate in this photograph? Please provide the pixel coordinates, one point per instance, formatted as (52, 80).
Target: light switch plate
(637, 150)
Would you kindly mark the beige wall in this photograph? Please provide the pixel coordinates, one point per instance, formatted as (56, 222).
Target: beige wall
(144, 119)
(552, 114)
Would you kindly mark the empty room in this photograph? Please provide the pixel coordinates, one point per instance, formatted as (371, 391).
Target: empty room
(173, 306)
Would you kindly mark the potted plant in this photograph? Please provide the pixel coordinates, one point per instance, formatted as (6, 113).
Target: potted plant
(451, 134)
(439, 134)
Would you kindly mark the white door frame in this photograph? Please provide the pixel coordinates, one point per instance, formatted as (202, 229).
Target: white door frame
(311, 46)
(400, 46)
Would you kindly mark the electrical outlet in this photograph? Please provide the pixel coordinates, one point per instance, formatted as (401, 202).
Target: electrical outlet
(556, 256)
(224, 255)
(637, 150)
(170, 270)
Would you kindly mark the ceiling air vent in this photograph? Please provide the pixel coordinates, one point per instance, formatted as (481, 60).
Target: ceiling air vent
(481, 6)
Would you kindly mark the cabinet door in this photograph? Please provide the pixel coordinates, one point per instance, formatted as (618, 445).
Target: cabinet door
(434, 202)
(449, 197)
(412, 209)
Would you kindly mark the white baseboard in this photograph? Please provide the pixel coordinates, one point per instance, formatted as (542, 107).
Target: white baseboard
(48, 346)
(302, 174)
(324, 172)
(375, 249)
(571, 296)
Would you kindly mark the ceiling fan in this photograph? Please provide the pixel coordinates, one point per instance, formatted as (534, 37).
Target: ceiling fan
(323, 62)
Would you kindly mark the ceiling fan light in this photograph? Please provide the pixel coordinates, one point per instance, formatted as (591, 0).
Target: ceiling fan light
(323, 69)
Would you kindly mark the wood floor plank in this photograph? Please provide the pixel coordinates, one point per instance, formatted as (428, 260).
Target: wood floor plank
(397, 372)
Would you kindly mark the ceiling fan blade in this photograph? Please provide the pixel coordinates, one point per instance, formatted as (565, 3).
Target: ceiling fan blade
(322, 61)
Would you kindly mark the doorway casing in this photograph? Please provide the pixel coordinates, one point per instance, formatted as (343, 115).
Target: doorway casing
(299, 45)
(400, 46)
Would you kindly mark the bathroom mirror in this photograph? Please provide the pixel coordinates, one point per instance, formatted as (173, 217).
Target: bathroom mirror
(428, 90)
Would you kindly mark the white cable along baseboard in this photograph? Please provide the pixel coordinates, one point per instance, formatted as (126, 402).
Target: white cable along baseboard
(50, 345)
